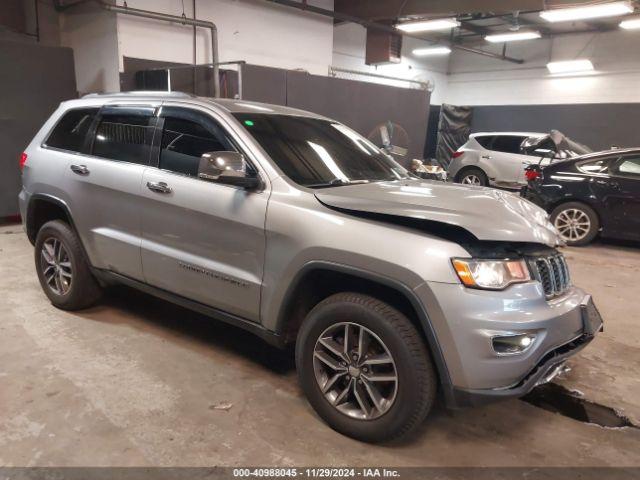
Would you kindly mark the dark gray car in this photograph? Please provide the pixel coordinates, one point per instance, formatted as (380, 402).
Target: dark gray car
(295, 227)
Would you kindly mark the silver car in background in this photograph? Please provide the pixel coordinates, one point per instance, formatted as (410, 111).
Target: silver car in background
(290, 225)
(499, 159)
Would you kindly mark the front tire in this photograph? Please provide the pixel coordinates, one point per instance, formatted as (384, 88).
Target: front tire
(577, 223)
(473, 176)
(62, 268)
(364, 368)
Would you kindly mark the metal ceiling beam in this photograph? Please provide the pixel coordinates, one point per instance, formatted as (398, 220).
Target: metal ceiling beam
(389, 29)
(392, 9)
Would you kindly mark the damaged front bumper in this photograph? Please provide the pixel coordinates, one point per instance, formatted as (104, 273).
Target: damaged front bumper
(550, 366)
(465, 322)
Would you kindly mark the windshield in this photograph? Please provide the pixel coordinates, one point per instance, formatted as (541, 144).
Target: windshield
(320, 153)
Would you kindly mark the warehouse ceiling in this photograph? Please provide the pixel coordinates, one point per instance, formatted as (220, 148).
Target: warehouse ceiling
(477, 17)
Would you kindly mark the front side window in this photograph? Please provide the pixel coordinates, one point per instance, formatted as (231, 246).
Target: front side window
(124, 137)
(319, 153)
(507, 144)
(71, 131)
(184, 141)
(628, 166)
(538, 147)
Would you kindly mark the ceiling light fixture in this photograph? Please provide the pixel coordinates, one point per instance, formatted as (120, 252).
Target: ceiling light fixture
(512, 36)
(428, 25)
(430, 51)
(570, 66)
(611, 9)
(631, 24)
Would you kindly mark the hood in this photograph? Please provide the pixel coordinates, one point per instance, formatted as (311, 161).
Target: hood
(486, 213)
(560, 140)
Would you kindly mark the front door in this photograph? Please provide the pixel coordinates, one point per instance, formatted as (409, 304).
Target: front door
(104, 187)
(201, 240)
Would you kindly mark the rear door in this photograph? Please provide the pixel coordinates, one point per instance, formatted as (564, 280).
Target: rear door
(505, 160)
(623, 196)
(104, 187)
(202, 240)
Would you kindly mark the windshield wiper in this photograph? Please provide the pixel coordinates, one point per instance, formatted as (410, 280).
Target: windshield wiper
(336, 182)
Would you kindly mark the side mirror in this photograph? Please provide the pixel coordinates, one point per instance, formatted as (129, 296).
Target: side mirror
(229, 168)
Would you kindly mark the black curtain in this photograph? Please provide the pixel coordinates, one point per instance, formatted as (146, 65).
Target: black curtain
(454, 128)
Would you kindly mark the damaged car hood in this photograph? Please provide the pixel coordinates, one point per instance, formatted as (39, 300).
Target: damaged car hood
(486, 213)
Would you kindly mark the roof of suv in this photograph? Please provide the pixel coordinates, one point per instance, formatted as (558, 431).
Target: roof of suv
(230, 105)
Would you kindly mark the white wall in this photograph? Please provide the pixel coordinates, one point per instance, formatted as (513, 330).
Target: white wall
(349, 42)
(92, 33)
(251, 30)
(477, 80)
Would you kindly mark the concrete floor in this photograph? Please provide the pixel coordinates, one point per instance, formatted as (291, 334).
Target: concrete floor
(137, 381)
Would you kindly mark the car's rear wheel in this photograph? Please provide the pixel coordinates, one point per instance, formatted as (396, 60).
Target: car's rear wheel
(62, 268)
(577, 223)
(364, 367)
(473, 176)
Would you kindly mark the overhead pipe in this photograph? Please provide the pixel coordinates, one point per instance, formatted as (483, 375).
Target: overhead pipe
(386, 28)
(126, 10)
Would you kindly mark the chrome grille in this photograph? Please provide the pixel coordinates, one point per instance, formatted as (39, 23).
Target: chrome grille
(552, 272)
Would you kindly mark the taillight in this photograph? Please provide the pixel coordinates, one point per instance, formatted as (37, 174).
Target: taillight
(532, 175)
(457, 154)
(23, 160)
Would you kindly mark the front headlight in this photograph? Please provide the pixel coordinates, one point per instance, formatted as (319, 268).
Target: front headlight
(491, 274)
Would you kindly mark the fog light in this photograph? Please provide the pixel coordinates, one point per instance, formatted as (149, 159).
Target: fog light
(512, 344)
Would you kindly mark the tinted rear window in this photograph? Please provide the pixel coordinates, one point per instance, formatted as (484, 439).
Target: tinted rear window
(485, 141)
(71, 130)
(594, 166)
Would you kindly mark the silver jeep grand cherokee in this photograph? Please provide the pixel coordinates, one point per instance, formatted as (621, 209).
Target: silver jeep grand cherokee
(293, 226)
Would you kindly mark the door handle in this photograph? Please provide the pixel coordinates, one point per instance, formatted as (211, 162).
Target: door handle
(159, 187)
(79, 169)
(487, 157)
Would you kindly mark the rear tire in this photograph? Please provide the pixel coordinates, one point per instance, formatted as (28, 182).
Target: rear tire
(577, 223)
(375, 407)
(473, 176)
(62, 268)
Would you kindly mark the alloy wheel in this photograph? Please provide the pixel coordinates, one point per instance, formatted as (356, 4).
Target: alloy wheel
(573, 224)
(355, 371)
(56, 266)
(471, 179)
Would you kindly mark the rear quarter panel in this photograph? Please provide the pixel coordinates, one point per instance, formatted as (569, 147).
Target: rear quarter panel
(564, 183)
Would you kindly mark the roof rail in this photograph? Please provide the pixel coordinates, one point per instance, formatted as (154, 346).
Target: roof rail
(141, 93)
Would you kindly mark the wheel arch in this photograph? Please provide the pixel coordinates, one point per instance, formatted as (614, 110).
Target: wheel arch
(466, 168)
(318, 280)
(42, 209)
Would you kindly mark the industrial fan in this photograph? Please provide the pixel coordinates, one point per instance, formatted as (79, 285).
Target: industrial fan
(391, 138)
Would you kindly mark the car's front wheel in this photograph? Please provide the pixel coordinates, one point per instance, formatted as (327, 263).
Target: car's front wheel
(364, 367)
(577, 223)
(62, 268)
